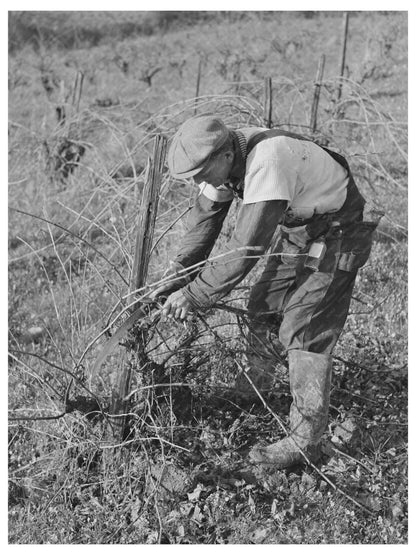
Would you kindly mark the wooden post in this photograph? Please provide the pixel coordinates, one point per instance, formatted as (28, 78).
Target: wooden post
(144, 238)
(60, 109)
(147, 214)
(343, 54)
(198, 83)
(316, 94)
(77, 92)
(267, 114)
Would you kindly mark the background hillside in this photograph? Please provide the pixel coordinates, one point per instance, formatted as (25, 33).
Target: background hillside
(88, 93)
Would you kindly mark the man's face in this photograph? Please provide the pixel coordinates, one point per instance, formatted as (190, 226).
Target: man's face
(217, 171)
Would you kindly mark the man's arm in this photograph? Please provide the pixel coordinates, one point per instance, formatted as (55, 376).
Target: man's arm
(254, 230)
(204, 224)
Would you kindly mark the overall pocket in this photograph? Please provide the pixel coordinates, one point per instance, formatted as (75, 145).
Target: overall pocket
(356, 246)
(294, 243)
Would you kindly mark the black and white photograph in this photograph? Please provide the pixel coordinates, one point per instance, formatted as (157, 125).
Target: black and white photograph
(207, 230)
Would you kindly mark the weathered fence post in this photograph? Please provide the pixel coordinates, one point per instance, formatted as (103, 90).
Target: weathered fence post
(144, 238)
(267, 113)
(198, 83)
(147, 214)
(77, 92)
(316, 94)
(343, 53)
(60, 109)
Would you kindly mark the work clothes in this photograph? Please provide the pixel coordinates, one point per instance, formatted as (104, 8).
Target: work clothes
(305, 289)
(312, 305)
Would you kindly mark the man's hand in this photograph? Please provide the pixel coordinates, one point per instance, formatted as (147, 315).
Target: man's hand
(163, 292)
(173, 284)
(177, 306)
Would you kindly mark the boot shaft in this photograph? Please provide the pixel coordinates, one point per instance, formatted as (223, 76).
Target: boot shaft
(310, 385)
(310, 380)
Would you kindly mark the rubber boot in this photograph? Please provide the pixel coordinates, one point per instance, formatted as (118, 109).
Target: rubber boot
(310, 383)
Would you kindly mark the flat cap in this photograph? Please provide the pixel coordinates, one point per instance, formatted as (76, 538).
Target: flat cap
(193, 144)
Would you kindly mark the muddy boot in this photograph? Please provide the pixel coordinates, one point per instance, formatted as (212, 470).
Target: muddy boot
(310, 382)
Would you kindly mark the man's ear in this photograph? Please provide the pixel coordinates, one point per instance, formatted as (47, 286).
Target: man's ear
(229, 156)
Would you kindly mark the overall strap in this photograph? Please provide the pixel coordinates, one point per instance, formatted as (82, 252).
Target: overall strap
(237, 184)
(269, 134)
(354, 202)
